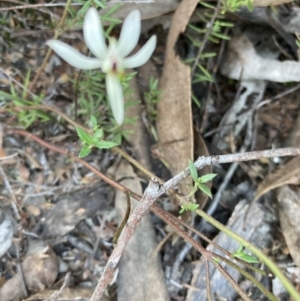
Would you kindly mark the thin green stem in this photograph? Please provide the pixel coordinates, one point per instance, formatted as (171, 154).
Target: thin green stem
(269, 263)
(248, 276)
(231, 281)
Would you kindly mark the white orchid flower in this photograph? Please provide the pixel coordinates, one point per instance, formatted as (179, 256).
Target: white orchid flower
(112, 59)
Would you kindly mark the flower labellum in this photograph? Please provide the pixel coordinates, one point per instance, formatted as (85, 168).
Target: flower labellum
(112, 58)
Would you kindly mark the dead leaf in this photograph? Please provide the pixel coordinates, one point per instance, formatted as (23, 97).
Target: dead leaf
(23, 173)
(287, 174)
(33, 210)
(6, 230)
(140, 276)
(261, 3)
(68, 294)
(242, 62)
(289, 216)
(2, 153)
(71, 209)
(237, 117)
(12, 289)
(174, 122)
(288, 199)
(40, 266)
(290, 23)
(138, 137)
(40, 270)
(148, 10)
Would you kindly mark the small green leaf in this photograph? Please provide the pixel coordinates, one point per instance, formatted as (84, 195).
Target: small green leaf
(208, 5)
(105, 144)
(84, 9)
(26, 83)
(98, 135)
(204, 189)
(188, 207)
(206, 178)
(182, 210)
(100, 3)
(226, 24)
(243, 256)
(85, 151)
(249, 258)
(221, 36)
(239, 250)
(193, 170)
(250, 5)
(84, 136)
(94, 122)
(207, 74)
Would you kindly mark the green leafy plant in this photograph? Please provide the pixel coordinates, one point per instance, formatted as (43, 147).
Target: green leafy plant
(214, 31)
(92, 140)
(203, 40)
(77, 16)
(25, 117)
(239, 253)
(199, 182)
(235, 5)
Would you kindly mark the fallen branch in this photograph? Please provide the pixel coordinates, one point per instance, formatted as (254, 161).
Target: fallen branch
(150, 195)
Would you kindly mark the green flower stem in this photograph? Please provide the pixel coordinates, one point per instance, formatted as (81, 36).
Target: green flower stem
(269, 263)
(247, 275)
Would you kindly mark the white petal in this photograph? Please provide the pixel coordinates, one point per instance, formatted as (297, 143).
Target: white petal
(142, 56)
(130, 33)
(72, 56)
(93, 33)
(115, 97)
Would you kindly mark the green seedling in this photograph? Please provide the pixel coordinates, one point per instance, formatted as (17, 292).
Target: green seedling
(92, 140)
(243, 256)
(200, 181)
(188, 207)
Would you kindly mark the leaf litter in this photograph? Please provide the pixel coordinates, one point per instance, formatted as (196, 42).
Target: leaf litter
(67, 218)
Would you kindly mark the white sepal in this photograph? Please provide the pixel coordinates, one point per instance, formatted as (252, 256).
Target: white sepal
(115, 97)
(142, 56)
(74, 57)
(93, 34)
(130, 33)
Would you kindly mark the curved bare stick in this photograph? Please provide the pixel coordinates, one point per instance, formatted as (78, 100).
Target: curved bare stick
(230, 158)
(150, 195)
